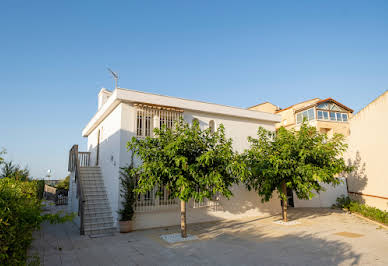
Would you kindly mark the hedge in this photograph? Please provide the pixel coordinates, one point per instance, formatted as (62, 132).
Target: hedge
(20, 208)
(365, 210)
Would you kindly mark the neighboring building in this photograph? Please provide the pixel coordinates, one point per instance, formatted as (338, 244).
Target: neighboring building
(328, 115)
(367, 152)
(123, 114)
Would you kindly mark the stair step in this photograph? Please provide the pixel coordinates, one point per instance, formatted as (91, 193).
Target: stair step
(99, 193)
(99, 196)
(97, 213)
(101, 231)
(104, 217)
(97, 224)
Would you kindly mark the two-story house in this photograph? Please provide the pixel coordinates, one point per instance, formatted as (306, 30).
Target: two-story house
(123, 114)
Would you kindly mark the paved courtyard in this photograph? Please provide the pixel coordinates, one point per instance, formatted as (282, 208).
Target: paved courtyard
(323, 237)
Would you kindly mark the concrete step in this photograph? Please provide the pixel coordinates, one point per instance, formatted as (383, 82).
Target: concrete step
(93, 182)
(94, 193)
(91, 187)
(97, 205)
(97, 209)
(103, 217)
(101, 231)
(95, 197)
(97, 225)
(97, 213)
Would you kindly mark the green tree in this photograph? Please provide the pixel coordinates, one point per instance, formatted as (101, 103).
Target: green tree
(189, 162)
(13, 171)
(64, 183)
(2, 152)
(300, 160)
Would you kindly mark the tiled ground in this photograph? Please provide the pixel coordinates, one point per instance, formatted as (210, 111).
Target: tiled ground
(323, 237)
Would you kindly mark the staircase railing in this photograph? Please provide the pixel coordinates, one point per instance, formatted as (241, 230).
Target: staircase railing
(77, 160)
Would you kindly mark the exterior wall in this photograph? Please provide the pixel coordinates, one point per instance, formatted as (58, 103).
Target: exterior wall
(368, 145)
(288, 114)
(325, 198)
(109, 155)
(334, 127)
(265, 107)
(243, 204)
(236, 128)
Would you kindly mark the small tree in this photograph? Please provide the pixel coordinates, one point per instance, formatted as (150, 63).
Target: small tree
(64, 183)
(128, 176)
(189, 162)
(13, 171)
(300, 160)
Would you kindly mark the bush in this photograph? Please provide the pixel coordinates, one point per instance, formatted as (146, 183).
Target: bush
(20, 207)
(365, 210)
(19, 217)
(127, 179)
(64, 184)
(40, 188)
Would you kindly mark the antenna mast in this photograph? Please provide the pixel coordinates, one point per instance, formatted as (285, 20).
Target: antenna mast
(115, 76)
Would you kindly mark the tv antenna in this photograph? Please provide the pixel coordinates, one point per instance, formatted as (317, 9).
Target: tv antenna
(115, 76)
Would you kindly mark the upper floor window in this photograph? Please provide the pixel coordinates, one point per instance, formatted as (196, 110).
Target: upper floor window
(150, 117)
(144, 125)
(334, 116)
(307, 114)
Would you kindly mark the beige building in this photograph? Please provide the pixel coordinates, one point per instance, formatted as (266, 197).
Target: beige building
(328, 115)
(367, 152)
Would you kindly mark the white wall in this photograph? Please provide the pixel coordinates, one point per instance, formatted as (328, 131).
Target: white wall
(243, 204)
(109, 158)
(236, 128)
(368, 146)
(324, 198)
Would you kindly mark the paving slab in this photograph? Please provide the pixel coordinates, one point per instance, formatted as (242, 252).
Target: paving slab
(321, 237)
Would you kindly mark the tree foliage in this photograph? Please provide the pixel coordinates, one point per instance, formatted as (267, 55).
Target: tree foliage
(2, 152)
(13, 171)
(303, 160)
(64, 183)
(20, 215)
(189, 162)
(128, 177)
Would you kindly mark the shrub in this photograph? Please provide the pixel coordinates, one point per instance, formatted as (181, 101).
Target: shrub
(343, 202)
(127, 179)
(20, 207)
(64, 184)
(40, 188)
(365, 210)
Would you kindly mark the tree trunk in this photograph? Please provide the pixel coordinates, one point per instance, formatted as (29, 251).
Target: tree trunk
(284, 209)
(183, 219)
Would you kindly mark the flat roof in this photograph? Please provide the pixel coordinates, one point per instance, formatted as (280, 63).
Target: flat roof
(133, 96)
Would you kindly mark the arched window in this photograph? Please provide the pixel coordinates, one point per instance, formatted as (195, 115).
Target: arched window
(212, 126)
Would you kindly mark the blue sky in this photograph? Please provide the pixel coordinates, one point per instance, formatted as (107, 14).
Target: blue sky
(54, 55)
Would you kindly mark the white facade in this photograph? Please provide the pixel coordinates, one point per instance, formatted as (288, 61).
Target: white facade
(325, 198)
(115, 124)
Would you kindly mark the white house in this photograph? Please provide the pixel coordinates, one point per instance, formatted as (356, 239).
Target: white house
(123, 114)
